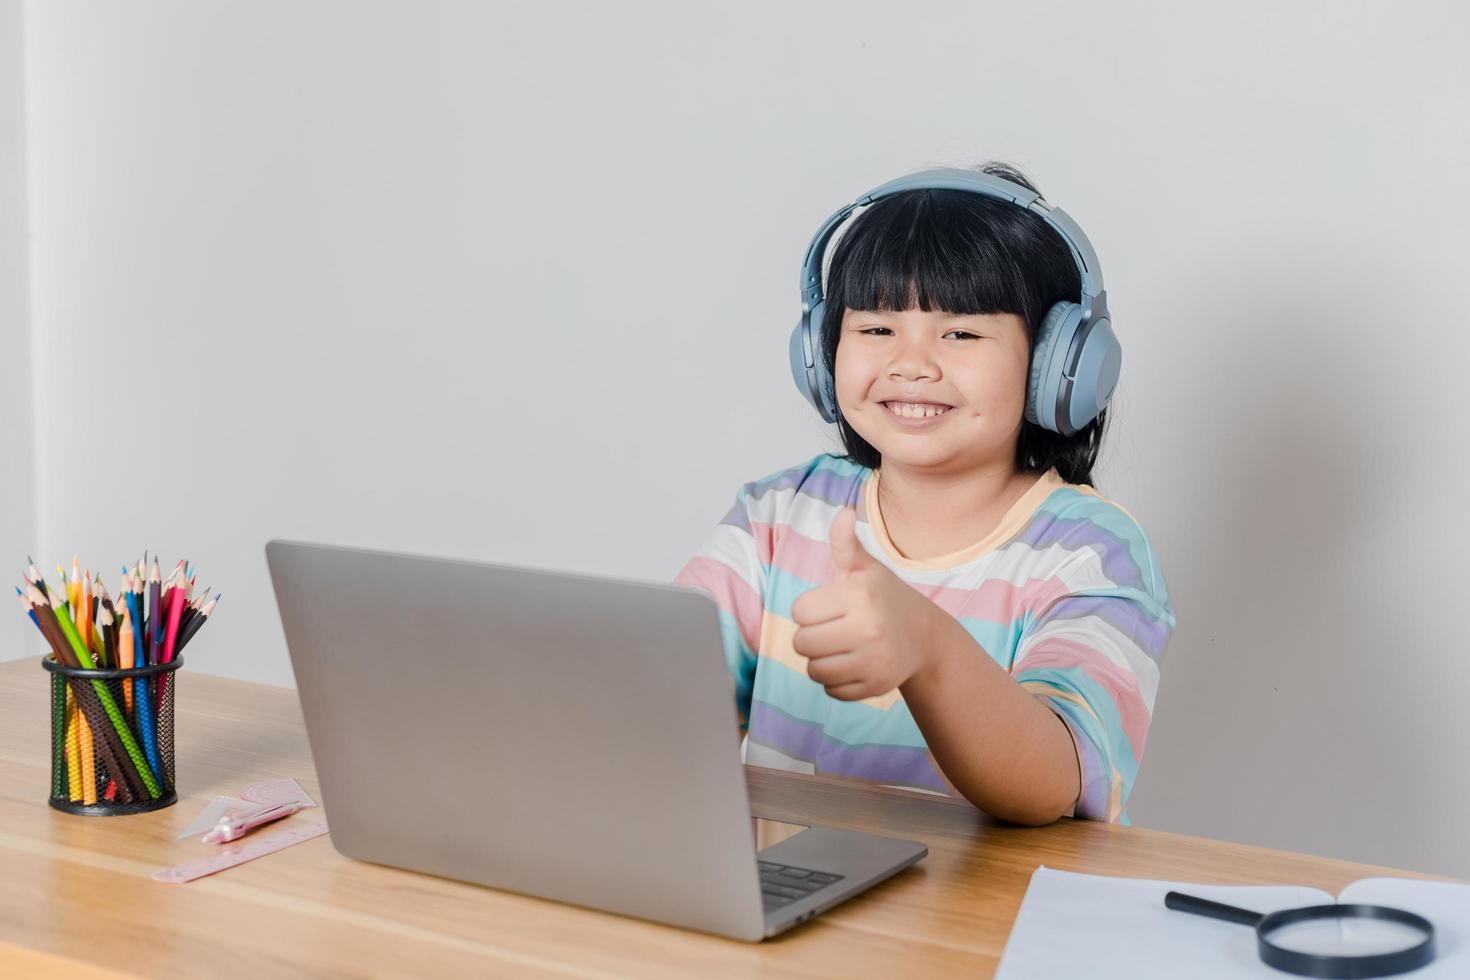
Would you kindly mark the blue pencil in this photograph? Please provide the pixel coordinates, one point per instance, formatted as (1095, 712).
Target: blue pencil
(144, 713)
(29, 611)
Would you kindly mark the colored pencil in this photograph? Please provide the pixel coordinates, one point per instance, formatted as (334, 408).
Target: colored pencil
(155, 618)
(58, 711)
(174, 610)
(58, 738)
(73, 748)
(104, 626)
(32, 572)
(26, 605)
(73, 589)
(125, 661)
(143, 710)
(84, 729)
(67, 746)
(98, 653)
(40, 595)
(86, 743)
(197, 623)
(104, 598)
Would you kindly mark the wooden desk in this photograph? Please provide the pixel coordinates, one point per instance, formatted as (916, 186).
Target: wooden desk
(74, 887)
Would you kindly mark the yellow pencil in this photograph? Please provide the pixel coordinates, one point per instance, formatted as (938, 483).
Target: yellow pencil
(98, 648)
(89, 760)
(125, 650)
(73, 749)
(71, 590)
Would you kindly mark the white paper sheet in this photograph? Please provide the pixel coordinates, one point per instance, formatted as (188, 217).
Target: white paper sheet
(1101, 927)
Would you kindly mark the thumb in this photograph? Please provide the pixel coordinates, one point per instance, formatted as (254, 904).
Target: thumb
(847, 551)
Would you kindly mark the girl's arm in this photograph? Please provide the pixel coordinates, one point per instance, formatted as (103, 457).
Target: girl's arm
(998, 744)
(1089, 659)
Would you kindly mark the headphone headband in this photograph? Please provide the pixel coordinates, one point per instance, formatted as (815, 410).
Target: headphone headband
(949, 178)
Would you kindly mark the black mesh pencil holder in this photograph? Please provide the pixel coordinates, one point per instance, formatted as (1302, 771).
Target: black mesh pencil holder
(112, 738)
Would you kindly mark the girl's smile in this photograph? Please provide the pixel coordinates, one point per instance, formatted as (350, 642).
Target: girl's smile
(916, 415)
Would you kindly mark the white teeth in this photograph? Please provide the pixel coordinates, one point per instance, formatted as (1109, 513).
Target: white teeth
(911, 410)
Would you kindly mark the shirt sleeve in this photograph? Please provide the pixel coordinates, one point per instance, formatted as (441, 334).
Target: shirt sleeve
(1092, 655)
(728, 567)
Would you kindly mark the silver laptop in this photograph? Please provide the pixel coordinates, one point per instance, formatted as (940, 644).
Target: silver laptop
(567, 736)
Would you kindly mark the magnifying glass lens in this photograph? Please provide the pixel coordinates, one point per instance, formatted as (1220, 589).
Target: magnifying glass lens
(1348, 936)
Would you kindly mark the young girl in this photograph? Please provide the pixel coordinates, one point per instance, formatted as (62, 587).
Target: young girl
(950, 606)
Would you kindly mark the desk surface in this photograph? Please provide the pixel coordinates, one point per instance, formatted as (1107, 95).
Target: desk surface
(74, 886)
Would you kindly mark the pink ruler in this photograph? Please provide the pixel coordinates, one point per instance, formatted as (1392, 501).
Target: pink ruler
(247, 849)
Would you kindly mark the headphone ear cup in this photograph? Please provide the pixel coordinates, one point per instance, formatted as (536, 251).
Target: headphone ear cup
(1054, 333)
(814, 383)
(1097, 374)
(798, 365)
(826, 400)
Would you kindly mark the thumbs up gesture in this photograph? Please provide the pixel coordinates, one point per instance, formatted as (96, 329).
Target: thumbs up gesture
(868, 631)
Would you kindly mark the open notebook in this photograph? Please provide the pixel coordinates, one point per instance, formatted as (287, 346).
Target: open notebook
(1094, 925)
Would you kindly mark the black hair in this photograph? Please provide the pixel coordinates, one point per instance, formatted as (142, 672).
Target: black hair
(959, 252)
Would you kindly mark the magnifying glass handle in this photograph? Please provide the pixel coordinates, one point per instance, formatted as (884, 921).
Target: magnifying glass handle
(1214, 910)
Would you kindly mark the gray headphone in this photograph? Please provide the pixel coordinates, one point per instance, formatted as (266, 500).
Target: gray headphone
(1076, 357)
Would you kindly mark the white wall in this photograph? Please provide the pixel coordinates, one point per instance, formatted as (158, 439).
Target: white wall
(18, 637)
(489, 280)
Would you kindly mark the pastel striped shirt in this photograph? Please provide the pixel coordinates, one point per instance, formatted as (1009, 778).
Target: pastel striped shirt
(1064, 593)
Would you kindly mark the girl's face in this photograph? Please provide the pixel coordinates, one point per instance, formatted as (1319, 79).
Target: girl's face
(969, 373)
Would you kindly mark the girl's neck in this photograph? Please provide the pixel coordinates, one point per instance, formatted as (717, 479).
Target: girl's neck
(927, 514)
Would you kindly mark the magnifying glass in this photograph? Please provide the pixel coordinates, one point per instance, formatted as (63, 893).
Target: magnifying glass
(1328, 940)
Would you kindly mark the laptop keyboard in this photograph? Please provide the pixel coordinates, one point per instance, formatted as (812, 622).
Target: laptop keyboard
(782, 884)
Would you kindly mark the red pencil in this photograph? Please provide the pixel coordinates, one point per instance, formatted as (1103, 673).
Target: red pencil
(175, 609)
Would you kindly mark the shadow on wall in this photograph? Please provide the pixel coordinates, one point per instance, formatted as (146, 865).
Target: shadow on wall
(1271, 688)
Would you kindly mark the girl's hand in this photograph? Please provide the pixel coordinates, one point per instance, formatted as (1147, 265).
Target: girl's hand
(867, 632)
